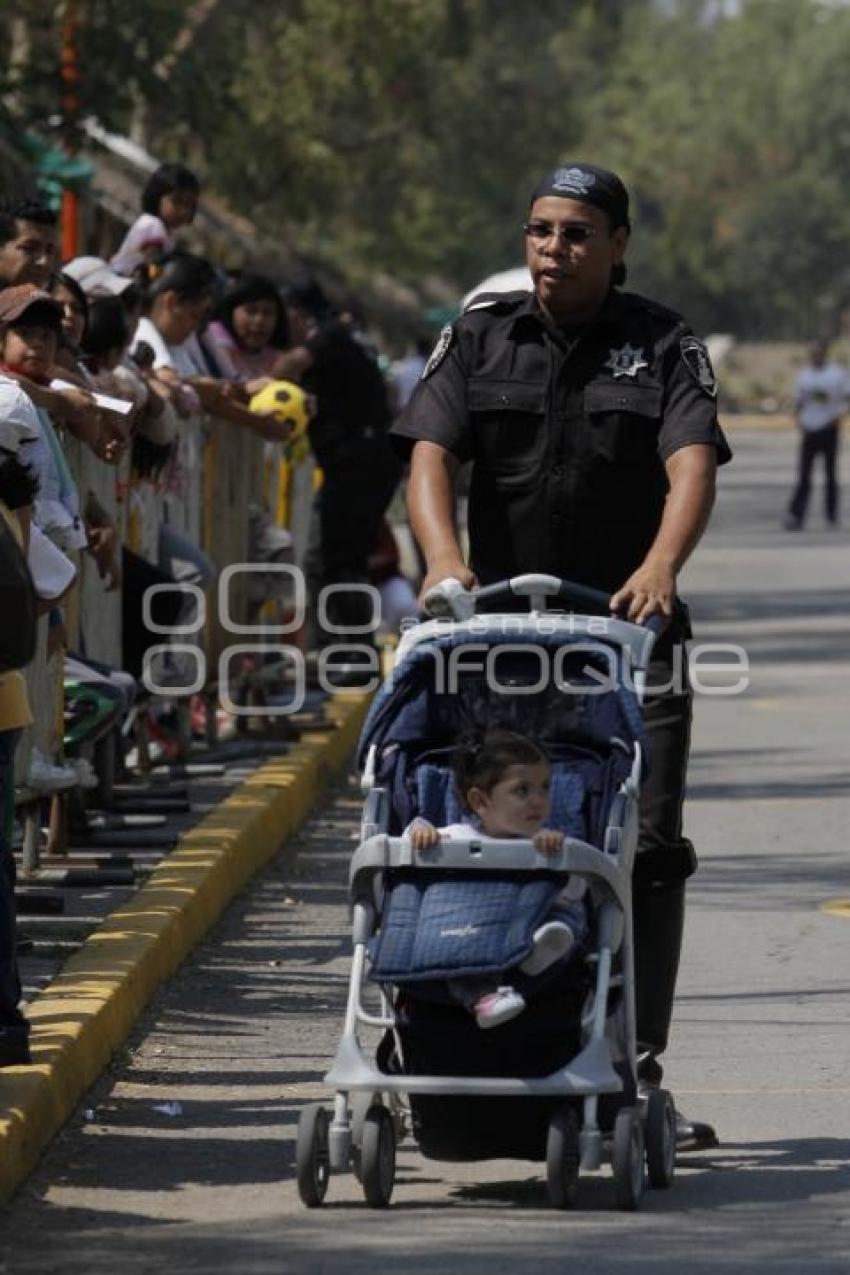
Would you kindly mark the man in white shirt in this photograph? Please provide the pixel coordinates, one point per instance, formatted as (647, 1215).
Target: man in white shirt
(822, 395)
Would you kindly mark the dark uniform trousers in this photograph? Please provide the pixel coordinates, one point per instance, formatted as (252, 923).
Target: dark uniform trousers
(665, 858)
(568, 432)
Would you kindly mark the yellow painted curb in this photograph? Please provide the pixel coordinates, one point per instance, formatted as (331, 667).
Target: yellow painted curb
(836, 907)
(89, 1009)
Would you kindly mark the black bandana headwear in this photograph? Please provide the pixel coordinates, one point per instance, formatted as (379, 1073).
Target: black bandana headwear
(589, 185)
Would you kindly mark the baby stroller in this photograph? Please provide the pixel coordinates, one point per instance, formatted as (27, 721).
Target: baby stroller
(557, 1084)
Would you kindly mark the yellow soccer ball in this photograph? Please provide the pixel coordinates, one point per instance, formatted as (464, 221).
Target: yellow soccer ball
(287, 401)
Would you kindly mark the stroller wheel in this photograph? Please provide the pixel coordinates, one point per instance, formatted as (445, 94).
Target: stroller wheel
(377, 1157)
(563, 1158)
(627, 1158)
(660, 1132)
(312, 1156)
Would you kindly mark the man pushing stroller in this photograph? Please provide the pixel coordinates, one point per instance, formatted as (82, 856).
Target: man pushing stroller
(590, 417)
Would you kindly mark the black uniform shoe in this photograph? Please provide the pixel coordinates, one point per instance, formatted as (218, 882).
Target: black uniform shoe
(694, 1135)
(691, 1135)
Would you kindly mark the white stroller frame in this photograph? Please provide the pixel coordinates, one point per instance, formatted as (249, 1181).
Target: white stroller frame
(368, 1140)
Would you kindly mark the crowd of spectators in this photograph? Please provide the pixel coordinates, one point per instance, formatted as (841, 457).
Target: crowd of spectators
(112, 376)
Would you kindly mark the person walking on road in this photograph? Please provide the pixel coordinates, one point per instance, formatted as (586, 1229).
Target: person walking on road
(590, 417)
(821, 398)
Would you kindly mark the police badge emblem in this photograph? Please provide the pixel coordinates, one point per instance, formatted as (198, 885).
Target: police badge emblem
(573, 181)
(696, 359)
(439, 351)
(627, 361)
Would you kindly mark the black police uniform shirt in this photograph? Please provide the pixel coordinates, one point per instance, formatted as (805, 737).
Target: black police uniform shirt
(568, 430)
(351, 395)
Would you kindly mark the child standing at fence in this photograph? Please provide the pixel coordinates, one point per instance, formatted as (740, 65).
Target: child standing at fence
(503, 779)
(250, 330)
(169, 202)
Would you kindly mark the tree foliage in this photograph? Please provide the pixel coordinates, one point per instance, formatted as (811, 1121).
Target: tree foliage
(403, 136)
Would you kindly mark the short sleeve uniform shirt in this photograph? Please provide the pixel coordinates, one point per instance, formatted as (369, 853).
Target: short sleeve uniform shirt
(568, 430)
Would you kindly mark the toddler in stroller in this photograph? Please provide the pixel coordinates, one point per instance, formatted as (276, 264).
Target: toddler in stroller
(503, 779)
(557, 1081)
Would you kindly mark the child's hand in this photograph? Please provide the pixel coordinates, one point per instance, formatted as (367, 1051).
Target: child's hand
(274, 429)
(422, 834)
(548, 841)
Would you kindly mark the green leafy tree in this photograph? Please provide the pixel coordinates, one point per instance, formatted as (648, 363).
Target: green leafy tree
(401, 137)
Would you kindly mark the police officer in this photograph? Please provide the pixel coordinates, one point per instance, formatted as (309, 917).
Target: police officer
(590, 417)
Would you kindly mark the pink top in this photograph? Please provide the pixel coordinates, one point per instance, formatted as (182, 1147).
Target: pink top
(248, 365)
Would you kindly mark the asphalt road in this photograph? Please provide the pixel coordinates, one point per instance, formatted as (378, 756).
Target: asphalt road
(240, 1038)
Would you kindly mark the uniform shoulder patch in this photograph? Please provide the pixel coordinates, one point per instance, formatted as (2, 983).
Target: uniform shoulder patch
(696, 359)
(502, 301)
(439, 351)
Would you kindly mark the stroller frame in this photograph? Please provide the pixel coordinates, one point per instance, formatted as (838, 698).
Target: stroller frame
(345, 1141)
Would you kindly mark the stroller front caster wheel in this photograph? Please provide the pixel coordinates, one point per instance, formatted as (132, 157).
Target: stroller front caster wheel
(563, 1157)
(312, 1155)
(627, 1155)
(660, 1132)
(377, 1157)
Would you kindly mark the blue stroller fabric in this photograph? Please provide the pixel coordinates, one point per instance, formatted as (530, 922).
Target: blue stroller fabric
(413, 709)
(437, 799)
(454, 925)
(442, 928)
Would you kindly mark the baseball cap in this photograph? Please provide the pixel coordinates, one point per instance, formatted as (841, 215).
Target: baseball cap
(96, 277)
(15, 302)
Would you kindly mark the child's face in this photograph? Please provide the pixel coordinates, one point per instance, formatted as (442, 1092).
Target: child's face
(517, 805)
(254, 322)
(30, 348)
(73, 316)
(178, 208)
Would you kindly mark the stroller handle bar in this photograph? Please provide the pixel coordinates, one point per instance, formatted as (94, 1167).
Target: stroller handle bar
(449, 599)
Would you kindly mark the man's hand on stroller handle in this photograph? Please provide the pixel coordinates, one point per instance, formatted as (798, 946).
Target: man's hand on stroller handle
(649, 591)
(445, 581)
(451, 591)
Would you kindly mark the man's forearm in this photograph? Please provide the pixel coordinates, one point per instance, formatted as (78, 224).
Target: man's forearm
(687, 509)
(431, 502)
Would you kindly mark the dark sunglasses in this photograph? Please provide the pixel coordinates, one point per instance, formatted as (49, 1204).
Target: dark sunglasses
(573, 232)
